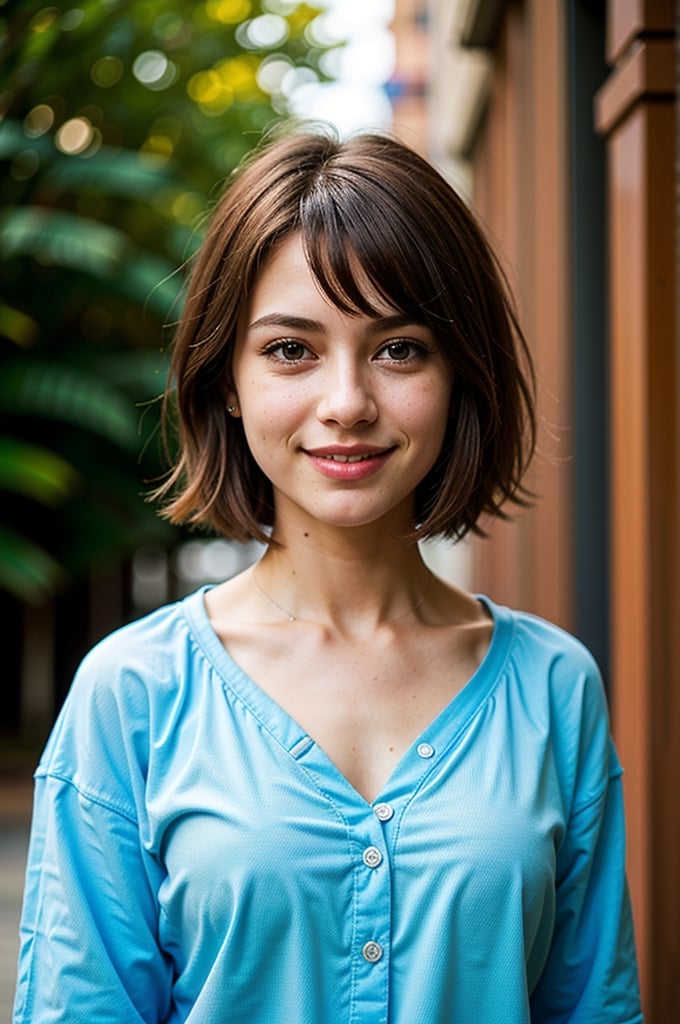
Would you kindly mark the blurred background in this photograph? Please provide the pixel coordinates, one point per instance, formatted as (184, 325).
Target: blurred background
(120, 121)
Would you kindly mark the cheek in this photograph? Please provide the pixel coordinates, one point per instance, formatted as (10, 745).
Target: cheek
(268, 408)
(428, 408)
(273, 410)
(270, 417)
(436, 420)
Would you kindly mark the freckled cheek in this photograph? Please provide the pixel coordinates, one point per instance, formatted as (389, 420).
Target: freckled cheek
(258, 394)
(269, 415)
(428, 406)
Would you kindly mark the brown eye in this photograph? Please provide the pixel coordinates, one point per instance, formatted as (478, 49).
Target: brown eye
(289, 351)
(399, 349)
(402, 350)
(292, 350)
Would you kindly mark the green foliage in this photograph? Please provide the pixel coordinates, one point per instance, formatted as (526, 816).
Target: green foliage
(26, 569)
(35, 472)
(119, 119)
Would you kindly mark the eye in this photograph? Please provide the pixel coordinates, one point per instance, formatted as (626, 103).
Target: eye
(402, 350)
(288, 351)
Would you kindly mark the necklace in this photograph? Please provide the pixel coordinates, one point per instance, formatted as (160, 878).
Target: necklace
(275, 604)
(293, 618)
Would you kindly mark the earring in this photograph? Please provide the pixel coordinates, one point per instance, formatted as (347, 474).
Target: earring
(231, 409)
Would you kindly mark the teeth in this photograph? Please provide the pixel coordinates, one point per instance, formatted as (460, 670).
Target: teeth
(347, 458)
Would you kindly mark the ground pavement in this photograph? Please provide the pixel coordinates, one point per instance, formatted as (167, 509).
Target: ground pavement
(15, 803)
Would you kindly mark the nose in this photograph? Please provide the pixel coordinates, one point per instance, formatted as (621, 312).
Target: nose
(347, 396)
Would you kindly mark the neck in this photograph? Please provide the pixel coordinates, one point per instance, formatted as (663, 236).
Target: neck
(351, 585)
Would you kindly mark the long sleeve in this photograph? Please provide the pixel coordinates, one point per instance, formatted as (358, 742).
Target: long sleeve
(89, 943)
(89, 930)
(591, 973)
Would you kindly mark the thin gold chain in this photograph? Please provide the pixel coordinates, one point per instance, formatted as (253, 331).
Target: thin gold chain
(293, 618)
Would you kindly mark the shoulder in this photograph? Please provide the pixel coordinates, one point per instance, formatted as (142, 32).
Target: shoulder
(157, 634)
(556, 678)
(125, 688)
(549, 657)
(151, 652)
(535, 637)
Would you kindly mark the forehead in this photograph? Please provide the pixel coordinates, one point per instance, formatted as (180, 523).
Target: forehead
(285, 264)
(298, 269)
(288, 276)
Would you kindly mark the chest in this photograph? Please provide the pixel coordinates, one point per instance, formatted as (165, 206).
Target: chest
(264, 844)
(363, 705)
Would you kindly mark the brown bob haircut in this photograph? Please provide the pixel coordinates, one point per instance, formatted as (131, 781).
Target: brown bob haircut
(373, 200)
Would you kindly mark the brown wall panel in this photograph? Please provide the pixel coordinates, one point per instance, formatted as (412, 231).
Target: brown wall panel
(629, 19)
(521, 166)
(639, 123)
(520, 189)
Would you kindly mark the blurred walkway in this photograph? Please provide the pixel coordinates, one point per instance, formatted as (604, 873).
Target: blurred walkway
(15, 808)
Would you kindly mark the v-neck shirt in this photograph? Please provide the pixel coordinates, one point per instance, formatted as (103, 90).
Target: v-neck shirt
(196, 856)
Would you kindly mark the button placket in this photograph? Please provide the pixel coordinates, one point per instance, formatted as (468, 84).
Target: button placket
(373, 913)
(383, 812)
(425, 750)
(372, 952)
(372, 857)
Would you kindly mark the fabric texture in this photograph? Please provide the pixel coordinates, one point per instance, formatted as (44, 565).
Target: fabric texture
(196, 857)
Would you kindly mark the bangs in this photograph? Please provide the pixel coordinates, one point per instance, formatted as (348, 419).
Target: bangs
(360, 248)
(382, 230)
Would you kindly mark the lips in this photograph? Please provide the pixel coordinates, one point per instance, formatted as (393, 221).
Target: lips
(346, 458)
(345, 452)
(354, 462)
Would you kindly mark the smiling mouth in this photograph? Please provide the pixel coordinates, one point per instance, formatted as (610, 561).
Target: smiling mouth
(349, 465)
(350, 458)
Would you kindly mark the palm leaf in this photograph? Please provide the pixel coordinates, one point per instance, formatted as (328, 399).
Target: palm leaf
(71, 395)
(26, 570)
(73, 242)
(17, 326)
(63, 239)
(114, 172)
(35, 472)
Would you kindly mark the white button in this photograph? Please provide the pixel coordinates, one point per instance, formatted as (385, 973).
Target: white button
(372, 952)
(425, 750)
(383, 812)
(372, 857)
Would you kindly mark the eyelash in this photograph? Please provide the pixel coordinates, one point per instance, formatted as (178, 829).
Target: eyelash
(417, 350)
(275, 350)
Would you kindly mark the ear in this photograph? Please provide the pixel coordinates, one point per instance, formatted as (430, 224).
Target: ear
(231, 399)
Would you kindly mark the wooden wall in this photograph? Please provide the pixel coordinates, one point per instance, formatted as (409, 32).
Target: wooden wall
(520, 192)
(635, 113)
(523, 168)
(572, 160)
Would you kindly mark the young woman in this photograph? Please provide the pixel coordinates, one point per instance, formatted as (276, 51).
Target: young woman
(336, 789)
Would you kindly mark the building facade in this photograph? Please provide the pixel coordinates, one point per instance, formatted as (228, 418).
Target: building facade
(558, 119)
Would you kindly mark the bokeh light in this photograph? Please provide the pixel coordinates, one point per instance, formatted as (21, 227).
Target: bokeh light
(107, 71)
(38, 121)
(228, 12)
(72, 19)
(154, 70)
(263, 33)
(75, 135)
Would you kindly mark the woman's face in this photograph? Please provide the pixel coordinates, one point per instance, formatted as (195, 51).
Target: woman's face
(345, 414)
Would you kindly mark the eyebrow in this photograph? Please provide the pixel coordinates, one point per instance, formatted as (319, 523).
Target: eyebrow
(302, 323)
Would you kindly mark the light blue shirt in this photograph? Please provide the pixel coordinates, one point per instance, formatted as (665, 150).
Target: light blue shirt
(195, 856)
